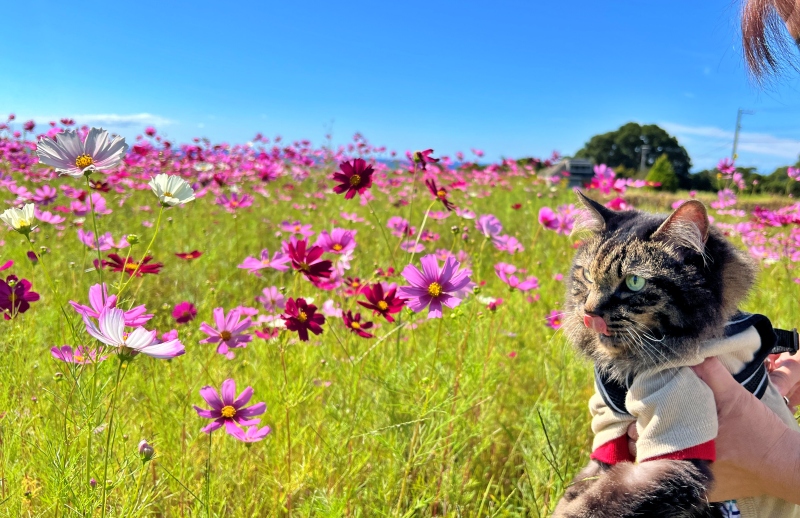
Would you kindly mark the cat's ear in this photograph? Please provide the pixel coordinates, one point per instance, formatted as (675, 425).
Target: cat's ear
(686, 227)
(596, 217)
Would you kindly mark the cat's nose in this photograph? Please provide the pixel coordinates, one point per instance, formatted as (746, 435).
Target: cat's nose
(596, 323)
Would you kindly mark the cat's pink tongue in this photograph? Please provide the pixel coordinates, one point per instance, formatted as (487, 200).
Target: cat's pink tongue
(596, 323)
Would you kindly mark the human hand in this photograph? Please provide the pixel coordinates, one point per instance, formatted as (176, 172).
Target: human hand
(784, 372)
(757, 453)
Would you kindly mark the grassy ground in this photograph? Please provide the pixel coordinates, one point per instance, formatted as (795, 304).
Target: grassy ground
(477, 414)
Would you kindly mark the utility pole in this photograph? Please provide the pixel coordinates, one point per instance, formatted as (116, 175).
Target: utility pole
(643, 162)
(739, 114)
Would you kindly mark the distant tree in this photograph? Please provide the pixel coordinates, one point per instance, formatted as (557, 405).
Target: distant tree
(663, 173)
(623, 147)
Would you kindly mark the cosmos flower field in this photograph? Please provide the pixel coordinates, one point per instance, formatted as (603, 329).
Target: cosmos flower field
(274, 328)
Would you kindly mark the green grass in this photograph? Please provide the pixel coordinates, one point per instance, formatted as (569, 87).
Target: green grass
(433, 418)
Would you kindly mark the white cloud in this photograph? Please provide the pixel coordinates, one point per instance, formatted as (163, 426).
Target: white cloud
(749, 142)
(115, 120)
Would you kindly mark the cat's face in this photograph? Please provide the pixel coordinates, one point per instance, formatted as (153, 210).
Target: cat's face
(643, 289)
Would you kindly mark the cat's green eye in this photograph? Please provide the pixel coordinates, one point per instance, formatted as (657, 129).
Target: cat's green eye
(587, 276)
(634, 282)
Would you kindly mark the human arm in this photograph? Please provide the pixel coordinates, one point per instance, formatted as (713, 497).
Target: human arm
(757, 453)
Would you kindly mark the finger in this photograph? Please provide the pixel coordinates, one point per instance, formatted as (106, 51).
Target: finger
(717, 377)
(633, 435)
(786, 375)
(794, 398)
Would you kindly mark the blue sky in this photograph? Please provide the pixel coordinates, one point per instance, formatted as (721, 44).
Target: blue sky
(512, 78)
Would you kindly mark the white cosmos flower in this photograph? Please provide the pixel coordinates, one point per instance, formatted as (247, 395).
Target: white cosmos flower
(171, 190)
(72, 157)
(20, 220)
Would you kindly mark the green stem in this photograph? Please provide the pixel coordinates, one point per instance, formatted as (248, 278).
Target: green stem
(288, 433)
(96, 236)
(208, 478)
(142, 471)
(147, 250)
(52, 287)
(109, 442)
(383, 232)
(419, 233)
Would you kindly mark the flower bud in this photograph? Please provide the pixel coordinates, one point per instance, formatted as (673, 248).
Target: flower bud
(454, 229)
(146, 451)
(58, 376)
(133, 239)
(93, 483)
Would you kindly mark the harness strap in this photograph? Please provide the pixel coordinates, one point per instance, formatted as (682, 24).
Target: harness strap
(753, 376)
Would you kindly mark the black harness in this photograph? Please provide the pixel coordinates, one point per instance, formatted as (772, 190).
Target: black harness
(753, 377)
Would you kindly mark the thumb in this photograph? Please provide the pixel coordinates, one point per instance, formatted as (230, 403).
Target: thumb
(718, 379)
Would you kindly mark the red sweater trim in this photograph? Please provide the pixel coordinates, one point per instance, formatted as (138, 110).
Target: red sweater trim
(614, 451)
(705, 451)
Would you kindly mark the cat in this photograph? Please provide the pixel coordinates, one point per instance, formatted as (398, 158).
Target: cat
(647, 297)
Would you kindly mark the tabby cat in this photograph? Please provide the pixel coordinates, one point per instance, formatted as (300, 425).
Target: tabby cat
(648, 296)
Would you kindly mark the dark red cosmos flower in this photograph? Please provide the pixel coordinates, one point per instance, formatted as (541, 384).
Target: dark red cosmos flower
(380, 302)
(99, 185)
(302, 317)
(389, 272)
(194, 254)
(516, 206)
(354, 324)
(424, 157)
(128, 265)
(440, 193)
(354, 178)
(16, 296)
(307, 261)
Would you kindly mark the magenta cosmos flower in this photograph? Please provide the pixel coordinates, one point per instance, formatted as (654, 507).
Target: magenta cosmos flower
(338, 241)
(229, 332)
(81, 355)
(355, 325)
(382, 301)
(229, 410)
(433, 286)
(16, 296)
(278, 262)
(235, 201)
(355, 178)
(184, 312)
(251, 433)
(506, 274)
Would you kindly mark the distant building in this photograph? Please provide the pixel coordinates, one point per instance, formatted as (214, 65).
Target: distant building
(578, 171)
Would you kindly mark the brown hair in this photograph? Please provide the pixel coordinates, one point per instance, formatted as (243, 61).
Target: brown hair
(763, 37)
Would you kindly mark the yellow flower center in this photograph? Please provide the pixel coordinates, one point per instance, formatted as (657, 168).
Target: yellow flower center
(304, 267)
(24, 223)
(435, 289)
(302, 316)
(355, 325)
(355, 180)
(355, 284)
(225, 335)
(441, 193)
(228, 411)
(78, 358)
(83, 161)
(337, 247)
(168, 194)
(131, 266)
(382, 305)
(234, 203)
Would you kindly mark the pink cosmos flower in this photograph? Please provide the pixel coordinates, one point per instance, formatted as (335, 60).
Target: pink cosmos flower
(505, 273)
(106, 241)
(400, 227)
(339, 241)
(433, 286)
(353, 217)
(99, 299)
(81, 355)
(45, 195)
(229, 332)
(794, 173)
(229, 411)
(234, 201)
(603, 178)
(297, 229)
(726, 166)
(251, 433)
(184, 312)
(111, 331)
(555, 319)
(279, 262)
(465, 213)
(489, 225)
(508, 244)
(273, 300)
(48, 217)
(81, 208)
